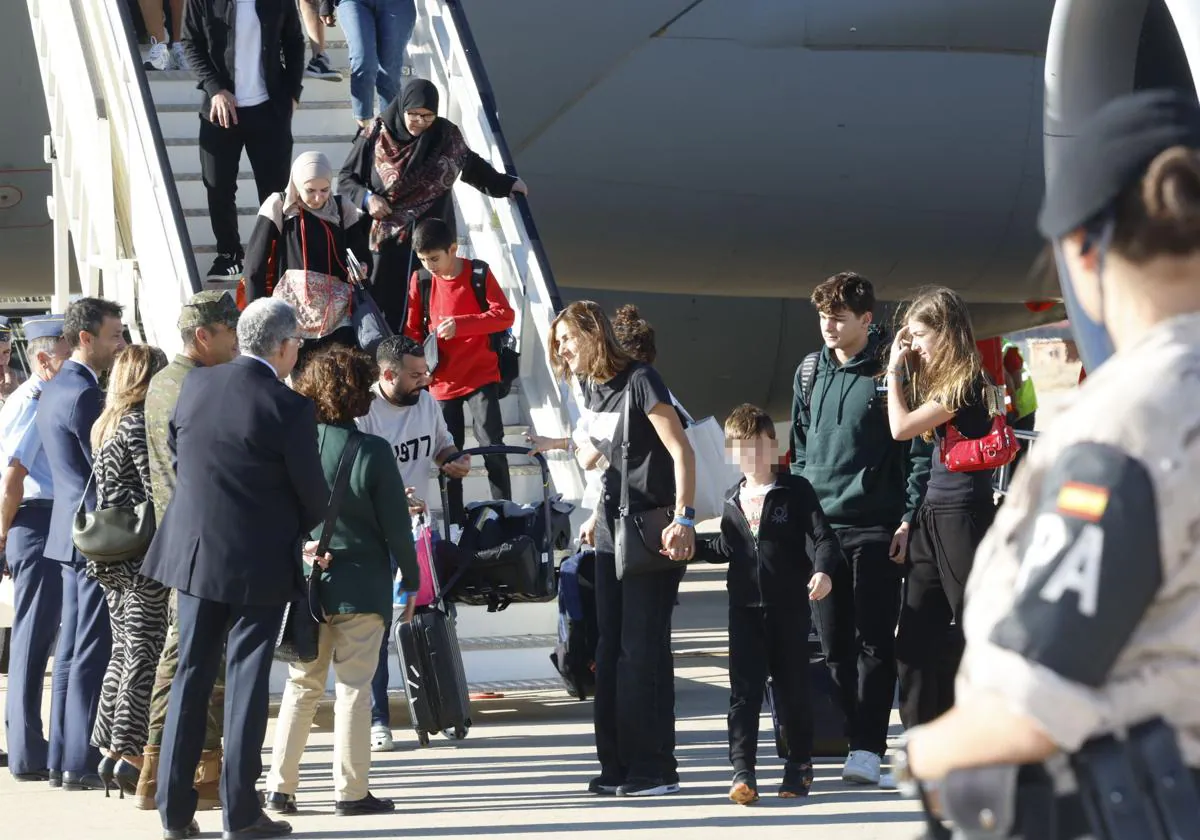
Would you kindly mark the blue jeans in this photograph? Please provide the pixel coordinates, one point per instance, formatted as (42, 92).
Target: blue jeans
(380, 713)
(377, 32)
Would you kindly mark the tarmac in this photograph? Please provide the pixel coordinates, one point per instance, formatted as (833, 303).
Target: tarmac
(523, 769)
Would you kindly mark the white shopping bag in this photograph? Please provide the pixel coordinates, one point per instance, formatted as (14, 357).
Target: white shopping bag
(714, 474)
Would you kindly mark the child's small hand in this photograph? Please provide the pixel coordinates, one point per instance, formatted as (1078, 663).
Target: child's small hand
(819, 585)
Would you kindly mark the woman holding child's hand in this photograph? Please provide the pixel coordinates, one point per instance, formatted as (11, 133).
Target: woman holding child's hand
(635, 699)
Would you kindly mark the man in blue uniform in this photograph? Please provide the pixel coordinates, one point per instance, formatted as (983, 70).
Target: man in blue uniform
(26, 494)
(67, 408)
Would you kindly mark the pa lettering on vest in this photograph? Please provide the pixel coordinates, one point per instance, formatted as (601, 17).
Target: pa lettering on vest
(1091, 565)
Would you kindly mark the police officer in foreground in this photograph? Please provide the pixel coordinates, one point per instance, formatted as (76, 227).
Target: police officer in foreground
(1083, 609)
(26, 498)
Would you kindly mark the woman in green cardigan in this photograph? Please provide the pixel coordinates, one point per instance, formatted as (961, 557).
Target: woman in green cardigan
(356, 590)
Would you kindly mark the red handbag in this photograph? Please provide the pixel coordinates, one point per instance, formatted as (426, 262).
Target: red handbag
(992, 451)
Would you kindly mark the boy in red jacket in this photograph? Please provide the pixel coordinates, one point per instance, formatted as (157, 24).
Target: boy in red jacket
(468, 369)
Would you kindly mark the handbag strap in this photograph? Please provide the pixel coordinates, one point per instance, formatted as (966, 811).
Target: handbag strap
(83, 499)
(625, 448)
(341, 483)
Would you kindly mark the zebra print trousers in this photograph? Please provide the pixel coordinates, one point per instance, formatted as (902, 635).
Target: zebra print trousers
(137, 609)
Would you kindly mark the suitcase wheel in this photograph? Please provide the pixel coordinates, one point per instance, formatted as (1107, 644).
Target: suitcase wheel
(458, 733)
(423, 739)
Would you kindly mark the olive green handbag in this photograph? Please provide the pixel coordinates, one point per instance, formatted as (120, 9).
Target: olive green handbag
(115, 534)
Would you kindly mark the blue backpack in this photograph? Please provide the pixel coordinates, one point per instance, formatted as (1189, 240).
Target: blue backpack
(574, 655)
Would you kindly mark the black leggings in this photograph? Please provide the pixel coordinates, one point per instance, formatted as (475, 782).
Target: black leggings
(929, 643)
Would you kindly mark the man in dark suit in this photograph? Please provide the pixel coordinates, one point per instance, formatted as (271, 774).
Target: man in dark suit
(248, 487)
(67, 408)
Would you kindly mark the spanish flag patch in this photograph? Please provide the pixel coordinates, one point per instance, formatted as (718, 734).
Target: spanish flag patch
(1082, 501)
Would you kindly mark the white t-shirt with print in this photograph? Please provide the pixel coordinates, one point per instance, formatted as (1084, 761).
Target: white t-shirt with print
(415, 432)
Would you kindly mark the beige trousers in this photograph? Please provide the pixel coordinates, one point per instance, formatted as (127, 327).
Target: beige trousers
(351, 644)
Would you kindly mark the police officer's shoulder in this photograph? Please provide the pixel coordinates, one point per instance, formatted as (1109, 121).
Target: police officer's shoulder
(1112, 479)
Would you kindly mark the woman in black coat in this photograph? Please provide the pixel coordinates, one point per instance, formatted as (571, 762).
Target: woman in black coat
(400, 171)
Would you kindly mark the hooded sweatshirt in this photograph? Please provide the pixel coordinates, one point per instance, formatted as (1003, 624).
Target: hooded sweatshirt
(844, 447)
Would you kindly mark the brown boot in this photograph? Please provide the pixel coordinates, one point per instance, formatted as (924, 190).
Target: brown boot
(208, 780)
(147, 784)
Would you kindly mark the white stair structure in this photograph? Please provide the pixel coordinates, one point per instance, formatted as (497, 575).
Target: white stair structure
(127, 189)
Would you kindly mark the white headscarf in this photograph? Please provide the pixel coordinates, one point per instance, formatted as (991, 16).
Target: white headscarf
(305, 168)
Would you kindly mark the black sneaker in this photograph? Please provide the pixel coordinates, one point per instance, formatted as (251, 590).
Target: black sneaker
(227, 267)
(602, 786)
(281, 803)
(744, 790)
(797, 780)
(367, 805)
(320, 67)
(648, 787)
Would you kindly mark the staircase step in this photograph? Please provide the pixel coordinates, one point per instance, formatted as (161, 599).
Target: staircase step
(184, 152)
(316, 117)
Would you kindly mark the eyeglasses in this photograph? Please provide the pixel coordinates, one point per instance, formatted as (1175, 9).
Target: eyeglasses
(413, 115)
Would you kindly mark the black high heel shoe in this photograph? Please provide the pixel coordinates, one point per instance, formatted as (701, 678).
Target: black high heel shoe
(105, 772)
(126, 776)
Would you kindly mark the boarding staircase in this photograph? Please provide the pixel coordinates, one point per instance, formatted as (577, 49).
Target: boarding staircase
(127, 190)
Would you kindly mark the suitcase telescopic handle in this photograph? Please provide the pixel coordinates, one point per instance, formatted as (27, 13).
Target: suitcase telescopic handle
(548, 536)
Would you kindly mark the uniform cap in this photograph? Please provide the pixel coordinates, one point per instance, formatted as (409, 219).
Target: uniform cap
(43, 326)
(208, 308)
(1113, 149)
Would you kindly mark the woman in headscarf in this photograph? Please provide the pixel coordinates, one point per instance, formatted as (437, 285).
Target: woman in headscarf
(298, 253)
(400, 171)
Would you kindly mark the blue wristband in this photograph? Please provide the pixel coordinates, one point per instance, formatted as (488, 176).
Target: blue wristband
(684, 521)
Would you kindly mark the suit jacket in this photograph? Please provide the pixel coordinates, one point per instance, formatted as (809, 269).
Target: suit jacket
(67, 409)
(248, 487)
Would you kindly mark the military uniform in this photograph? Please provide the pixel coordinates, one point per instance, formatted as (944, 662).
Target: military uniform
(37, 580)
(1083, 607)
(204, 309)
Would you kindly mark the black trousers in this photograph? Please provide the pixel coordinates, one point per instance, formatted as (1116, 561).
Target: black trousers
(250, 646)
(762, 642)
(634, 706)
(391, 272)
(857, 626)
(488, 426)
(929, 643)
(266, 135)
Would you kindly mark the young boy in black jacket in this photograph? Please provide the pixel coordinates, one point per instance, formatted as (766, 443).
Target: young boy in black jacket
(769, 518)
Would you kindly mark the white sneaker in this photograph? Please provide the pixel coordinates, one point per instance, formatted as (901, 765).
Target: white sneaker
(381, 739)
(179, 57)
(861, 767)
(159, 57)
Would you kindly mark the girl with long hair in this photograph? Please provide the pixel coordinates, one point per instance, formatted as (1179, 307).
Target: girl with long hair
(935, 380)
(137, 606)
(634, 706)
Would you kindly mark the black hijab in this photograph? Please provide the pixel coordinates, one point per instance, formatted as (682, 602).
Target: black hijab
(419, 93)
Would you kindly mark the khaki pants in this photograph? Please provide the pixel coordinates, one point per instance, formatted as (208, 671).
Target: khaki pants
(351, 644)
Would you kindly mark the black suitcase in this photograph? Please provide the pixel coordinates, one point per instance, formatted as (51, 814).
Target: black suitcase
(829, 724)
(502, 560)
(435, 682)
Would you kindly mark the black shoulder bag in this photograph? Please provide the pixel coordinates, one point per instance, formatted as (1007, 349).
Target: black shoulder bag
(638, 536)
(115, 534)
(297, 640)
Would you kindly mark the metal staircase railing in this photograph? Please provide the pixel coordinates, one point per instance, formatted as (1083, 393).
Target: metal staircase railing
(113, 197)
(502, 231)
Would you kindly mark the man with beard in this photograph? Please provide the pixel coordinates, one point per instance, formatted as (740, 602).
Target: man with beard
(407, 416)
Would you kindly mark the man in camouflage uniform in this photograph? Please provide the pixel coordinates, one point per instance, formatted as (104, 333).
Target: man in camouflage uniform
(207, 325)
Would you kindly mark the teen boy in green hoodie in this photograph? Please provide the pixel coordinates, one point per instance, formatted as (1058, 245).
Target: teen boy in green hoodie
(869, 486)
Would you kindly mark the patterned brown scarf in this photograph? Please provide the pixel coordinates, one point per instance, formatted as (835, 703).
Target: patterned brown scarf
(411, 190)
